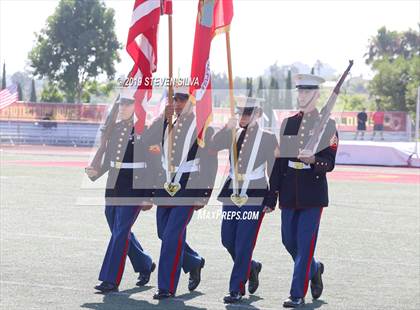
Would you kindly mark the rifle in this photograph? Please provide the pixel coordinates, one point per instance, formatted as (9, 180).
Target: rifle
(106, 131)
(319, 128)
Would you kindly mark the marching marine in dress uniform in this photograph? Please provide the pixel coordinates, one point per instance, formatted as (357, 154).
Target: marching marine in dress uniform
(244, 192)
(128, 191)
(185, 186)
(301, 183)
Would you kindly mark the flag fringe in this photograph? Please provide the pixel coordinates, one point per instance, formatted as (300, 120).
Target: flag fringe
(221, 30)
(201, 142)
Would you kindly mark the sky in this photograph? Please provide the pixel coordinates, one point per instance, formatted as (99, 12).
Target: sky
(262, 32)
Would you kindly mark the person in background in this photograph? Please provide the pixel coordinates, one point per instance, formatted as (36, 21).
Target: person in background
(361, 124)
(378, 123)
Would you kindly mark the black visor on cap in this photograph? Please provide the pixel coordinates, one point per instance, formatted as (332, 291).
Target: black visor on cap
(126, 101)
(245, 111)
(181, 96)
(307, 87)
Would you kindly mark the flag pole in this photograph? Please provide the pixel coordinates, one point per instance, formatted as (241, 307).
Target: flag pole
(232, 110)
(170, 93)
(417, 122)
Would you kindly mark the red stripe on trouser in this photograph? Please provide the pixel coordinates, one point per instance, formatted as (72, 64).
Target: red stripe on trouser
(242, 287)
(311, 255)
(253, 246)
(178, 254)
(124, 256)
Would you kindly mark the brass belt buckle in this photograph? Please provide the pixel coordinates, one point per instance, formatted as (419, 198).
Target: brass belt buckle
(172, 188)
(118, 164)
(239, 200)
(298, 165)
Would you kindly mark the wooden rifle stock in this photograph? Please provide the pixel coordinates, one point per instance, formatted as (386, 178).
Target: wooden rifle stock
(319, 128)
(106, 131)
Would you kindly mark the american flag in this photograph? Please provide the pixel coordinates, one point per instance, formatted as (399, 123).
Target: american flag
(142, 47)
(8, 96)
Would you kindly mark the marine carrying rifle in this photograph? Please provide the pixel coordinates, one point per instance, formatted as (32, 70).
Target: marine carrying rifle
(319, 128)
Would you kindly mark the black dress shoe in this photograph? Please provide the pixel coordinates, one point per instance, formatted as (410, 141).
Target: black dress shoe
(162, 295)
(316, 282)
(232, 298)
(195, 276)
(293, 302)
(106, 287)
(145, 277)
(253, 278)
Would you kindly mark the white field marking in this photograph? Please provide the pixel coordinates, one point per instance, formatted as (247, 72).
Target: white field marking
(6, 177)
(190, 302)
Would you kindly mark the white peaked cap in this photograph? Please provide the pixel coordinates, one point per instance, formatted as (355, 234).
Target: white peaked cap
(309, 81)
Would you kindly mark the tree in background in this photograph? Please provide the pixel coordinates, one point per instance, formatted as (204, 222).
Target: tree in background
(278, 73)
(262, 94)
(395, 59)
(77, 45)
(391, 44)
(357, 85)
(249, 86)
(318, 67)
(220, 85)
(272, 100)
(273, 93)
(354, 102)
(51, 93)
(3, 78)
(289, 97)
(19, 91)
(239, 83)
(95, 90)
(396, 82)
(32, 97)
(260, 90)
(24, 80)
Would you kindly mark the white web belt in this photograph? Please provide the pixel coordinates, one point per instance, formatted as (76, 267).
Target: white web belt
(121, 165)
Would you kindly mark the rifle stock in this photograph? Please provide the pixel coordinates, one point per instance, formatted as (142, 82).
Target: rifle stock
(106, 131)
(319, 128)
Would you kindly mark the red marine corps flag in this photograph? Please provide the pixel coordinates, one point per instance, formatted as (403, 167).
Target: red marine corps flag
(167, 7)
(142, 47)
(214, 16)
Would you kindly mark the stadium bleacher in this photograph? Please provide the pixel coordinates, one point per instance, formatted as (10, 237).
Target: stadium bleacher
(48, 133)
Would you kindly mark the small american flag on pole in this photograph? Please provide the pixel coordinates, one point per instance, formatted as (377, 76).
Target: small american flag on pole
(8, 96)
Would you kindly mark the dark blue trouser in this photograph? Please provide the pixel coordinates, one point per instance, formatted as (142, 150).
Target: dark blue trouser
(299, 232)
(175, 252)
(122, 243)
(239, 236)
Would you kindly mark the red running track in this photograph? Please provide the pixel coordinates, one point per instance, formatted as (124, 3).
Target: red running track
(342, 173)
